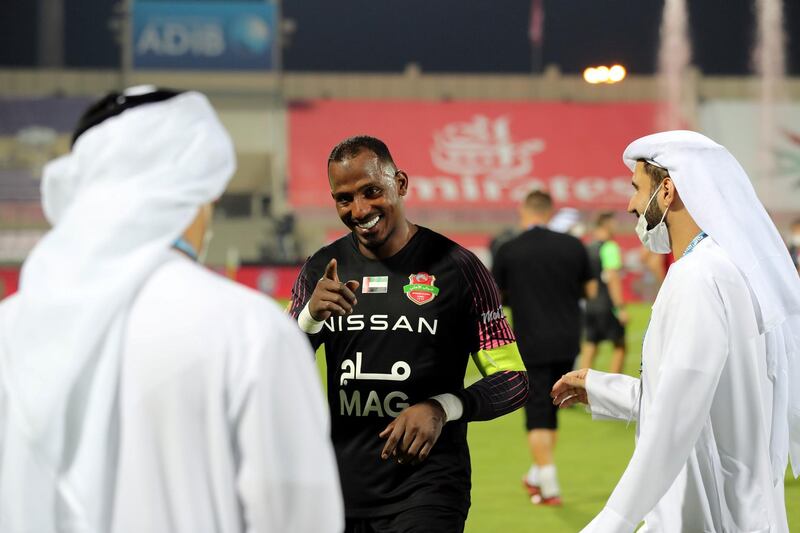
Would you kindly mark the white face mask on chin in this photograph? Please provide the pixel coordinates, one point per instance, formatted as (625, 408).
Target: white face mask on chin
(655, 239)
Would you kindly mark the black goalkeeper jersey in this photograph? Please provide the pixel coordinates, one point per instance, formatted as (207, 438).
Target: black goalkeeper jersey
(420, 314)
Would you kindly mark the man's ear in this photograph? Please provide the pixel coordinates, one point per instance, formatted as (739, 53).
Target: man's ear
(668, 192)
(401, 178)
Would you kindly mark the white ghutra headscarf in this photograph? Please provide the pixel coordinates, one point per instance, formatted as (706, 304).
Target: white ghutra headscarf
(129, 188)
(721, 199)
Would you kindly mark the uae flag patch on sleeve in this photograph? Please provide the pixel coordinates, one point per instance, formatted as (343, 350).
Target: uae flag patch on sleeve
(375, 285)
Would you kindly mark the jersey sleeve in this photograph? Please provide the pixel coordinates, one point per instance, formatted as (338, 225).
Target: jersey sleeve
(493, 330)
(301, 293)
(301, 290)
(504, 387)
(494, 396)
(610, 256)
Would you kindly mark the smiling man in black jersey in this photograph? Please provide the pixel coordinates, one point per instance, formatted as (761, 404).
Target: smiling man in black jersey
(398, 335)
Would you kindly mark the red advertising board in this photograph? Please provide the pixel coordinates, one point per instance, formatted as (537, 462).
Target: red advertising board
(9, 281)
(464, 155)
(275, 281)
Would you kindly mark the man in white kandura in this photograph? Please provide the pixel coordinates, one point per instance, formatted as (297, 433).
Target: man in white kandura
(139, 391)
(718, 403)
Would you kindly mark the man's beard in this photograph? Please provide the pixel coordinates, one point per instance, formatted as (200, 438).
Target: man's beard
(653, 214)
(371, 244)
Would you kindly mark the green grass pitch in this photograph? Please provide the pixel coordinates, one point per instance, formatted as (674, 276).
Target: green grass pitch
(590, 457)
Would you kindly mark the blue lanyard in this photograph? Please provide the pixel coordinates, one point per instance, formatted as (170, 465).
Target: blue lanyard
(699, 237)
(185, 247)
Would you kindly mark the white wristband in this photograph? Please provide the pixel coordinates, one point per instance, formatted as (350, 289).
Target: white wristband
(453, 408)
(307, 322)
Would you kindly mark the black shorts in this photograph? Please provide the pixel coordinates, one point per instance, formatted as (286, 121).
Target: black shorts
(604, 326)
(420, 519)
(540, 413)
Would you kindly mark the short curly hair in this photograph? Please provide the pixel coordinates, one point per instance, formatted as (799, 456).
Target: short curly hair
(352, 146)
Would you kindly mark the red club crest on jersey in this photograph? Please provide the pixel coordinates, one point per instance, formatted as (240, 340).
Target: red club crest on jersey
(420, 288)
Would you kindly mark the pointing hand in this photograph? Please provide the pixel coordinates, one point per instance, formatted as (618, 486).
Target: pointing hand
(331, 296)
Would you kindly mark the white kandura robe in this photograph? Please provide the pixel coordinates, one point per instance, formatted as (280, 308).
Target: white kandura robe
(703, 409)
(223, 425)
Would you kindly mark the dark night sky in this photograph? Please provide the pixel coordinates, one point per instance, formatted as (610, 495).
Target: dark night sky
(444, 35)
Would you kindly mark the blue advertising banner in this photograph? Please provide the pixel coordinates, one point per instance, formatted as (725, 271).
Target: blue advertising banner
(204, 35)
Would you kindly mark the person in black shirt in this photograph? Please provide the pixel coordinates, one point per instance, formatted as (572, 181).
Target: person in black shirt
(398, 335)
(543, 275)
(606, 316)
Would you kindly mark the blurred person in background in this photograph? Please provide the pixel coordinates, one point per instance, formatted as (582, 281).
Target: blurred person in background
(717, 405)
(398, 335)
(140, 391)
(567, 220)
(650, 272)
(542, 275)
(656, 264)
(500, 239)
(606, 316)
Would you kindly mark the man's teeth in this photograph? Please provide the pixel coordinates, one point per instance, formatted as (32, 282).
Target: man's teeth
(369, 224)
